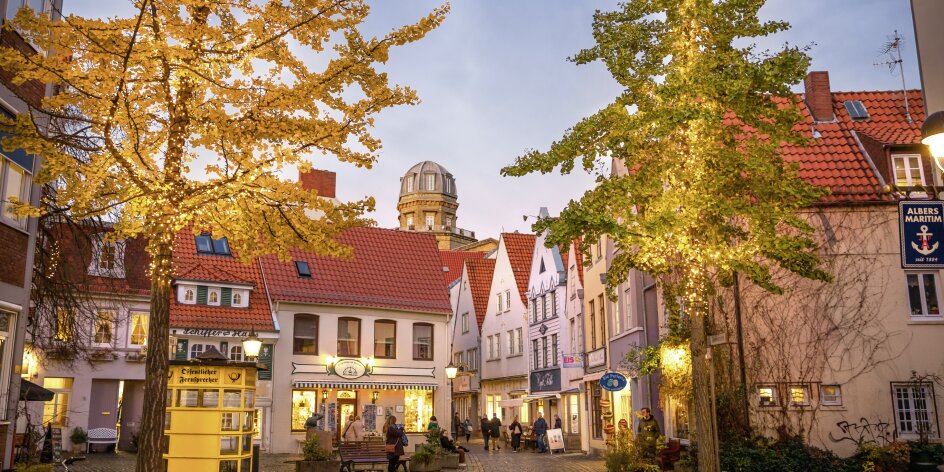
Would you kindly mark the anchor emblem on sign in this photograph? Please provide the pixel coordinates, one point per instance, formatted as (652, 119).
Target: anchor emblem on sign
(925, 238)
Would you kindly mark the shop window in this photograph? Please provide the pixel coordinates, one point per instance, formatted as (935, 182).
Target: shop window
(349, 337)
(385, 339)
(422, 341)
(418, 408)
(573, 411)
(830, 395)
(104, 328)
(596, 412)
(56, 411)
(914, 409)
(304, 403)
(305, 335)
(139, 323)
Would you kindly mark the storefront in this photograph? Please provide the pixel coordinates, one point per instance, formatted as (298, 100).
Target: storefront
(466, 399)
(505, 398)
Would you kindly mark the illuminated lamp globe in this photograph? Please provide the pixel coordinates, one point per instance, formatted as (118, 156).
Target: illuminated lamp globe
(451, 371)
(932, 135)
(252, 345)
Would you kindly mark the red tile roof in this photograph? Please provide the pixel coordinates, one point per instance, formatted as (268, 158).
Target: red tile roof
(520, 248)
(452, 260)
(480, 284)
(836, 161)
(75, 249)
(189, 265)
(390, 269)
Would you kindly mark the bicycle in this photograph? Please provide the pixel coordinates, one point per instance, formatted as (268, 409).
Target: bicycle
(67, 462)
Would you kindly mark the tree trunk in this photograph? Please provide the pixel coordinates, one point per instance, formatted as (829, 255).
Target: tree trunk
(701, 393)
(151, 436)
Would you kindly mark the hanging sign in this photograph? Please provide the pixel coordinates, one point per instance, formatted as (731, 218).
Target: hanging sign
(613, 381)
(921, 227)
(573, 361)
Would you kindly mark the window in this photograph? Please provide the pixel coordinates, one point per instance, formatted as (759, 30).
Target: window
(14, 184)
(305, 335)
(922, 294)
(410, 181)
(534, 354)
(544, 310)
(430, 219)
(914, 409)
(553, 304)
(599, 250)
(799, 395)
(349, 337)
(830, 395)
(302, 268)
(507, 300)
(430, 181)
(56, 411)
(544, 353)
(409, 221)
(491, 347)
(139, 324)
(196, 350)
(520, 341)
(207, 245)
(465, 322)
(385, 339)
(501, 304)
(304, 403)
(107, 259)
(188, 295)
(449, 221)
(908, 170)
(238, 298)
(447, 184)
(106, 256)
(554, 355)
(473, 358)
(856, 109)
(767, 395)
(418, 408)
(236, 353)
(534, 310)
(213, 296)
(38, 6)
(457, 359)
(64, 321)
(104, 327)
(596, 413)
(593, 326)
(422, 341)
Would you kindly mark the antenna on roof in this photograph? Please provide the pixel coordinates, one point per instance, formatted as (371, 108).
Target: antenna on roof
(892, 49)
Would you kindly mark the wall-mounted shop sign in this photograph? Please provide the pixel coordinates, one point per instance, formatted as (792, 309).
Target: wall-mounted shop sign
(216, 333)
(573, 361)
(613, 381)
(921, 227)
(546, 381)
(349, 368)
(596, 358)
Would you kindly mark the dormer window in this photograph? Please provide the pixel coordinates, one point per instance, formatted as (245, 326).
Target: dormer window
(409, 183)
(107, 259)
(430, 181)
(908, 170)
(207, 245)
(188, 295)
(237, 299)
(213, 297)
(447, 184)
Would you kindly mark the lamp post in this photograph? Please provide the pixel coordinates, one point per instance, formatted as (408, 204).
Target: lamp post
(451, 371)
(252, 345)
(932, 135)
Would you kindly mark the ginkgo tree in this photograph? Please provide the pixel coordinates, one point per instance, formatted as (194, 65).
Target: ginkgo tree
(705, 192)
(185, 113)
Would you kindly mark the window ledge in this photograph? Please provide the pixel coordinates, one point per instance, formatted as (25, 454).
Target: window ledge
(17, 227)
(926, 321)
(832, 408)
(493, 360)
(515, 355)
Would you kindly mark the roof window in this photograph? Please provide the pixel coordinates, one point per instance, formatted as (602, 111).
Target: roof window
(303, 269)
(207, 245)
(856, 110)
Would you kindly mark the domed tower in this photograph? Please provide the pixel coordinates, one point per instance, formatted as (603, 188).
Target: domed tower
(428, 203)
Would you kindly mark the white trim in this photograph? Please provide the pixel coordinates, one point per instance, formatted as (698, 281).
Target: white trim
(10, 306)
(212, 283)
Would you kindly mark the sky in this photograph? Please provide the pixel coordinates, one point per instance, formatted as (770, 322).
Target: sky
(494, 82)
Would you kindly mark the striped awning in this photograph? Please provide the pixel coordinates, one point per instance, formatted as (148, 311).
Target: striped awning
(370, 385)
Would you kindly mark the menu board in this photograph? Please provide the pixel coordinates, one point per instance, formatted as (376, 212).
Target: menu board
(332, 424)
(370, 417)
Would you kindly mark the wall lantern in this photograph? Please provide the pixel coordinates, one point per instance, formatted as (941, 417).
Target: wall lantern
(932, 135)
(252, 345)
(374, 396)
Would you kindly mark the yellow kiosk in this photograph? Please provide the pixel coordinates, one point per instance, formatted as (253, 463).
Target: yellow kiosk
(210, 415)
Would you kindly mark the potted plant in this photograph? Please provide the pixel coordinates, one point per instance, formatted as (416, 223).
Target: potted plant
(426, 459)
(315, 458)
(78, 437)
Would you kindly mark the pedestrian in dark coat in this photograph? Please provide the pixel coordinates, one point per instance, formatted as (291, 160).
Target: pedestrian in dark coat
(456, 426)
(468, 429)
(540, 430)
(516, 431)
(393, 436)
(557, 422)
(486, 430)
(647, 433)
(495, 429)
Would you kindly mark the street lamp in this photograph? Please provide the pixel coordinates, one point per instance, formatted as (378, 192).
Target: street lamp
(451, 371)
(252, 345)
(932, 135)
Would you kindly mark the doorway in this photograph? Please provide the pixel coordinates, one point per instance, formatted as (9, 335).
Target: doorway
(347, 406)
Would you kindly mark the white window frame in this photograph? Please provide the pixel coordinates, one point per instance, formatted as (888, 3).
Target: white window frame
(774, 396)
(507, 300)
(511, 342)
(182, 294)
(430, 220)
(95, 324)
(907, 160)
(409, 220)
(500, 305)
(805, 389)
(243, 298)
(830, 399)
(465, 322)
(95, 266)
(925, 315)
(235, 353)
(26, 186)
(131, 316)
(518, 333)
(410, 182)
(905, 391)
(430, 182)
(472, 356)
(213, 291)
(193, 347)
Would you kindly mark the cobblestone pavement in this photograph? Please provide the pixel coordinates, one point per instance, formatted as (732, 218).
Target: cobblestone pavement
(477, 460)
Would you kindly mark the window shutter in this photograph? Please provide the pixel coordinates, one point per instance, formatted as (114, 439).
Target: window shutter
(226, 296)
(182, 349)
(265, 358)
(201, 295)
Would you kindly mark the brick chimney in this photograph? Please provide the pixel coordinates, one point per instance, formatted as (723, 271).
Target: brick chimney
(819, 98)
(324, 181)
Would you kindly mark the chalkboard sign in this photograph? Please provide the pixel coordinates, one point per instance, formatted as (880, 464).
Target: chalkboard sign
(56, 444)
(52, 445)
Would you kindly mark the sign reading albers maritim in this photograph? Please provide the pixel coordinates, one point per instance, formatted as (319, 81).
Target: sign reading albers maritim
(921, 228)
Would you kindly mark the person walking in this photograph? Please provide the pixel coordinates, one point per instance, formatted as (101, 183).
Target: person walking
(354, 430)
(486, 430)
(433, 424)
(540, 430)
(557, 422)
(495, 430)
(468, 429)
(516, 431)
(456, 426)
(393, 443)
(648, 432)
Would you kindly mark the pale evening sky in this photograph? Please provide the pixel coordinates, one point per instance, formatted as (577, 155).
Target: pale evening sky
(494, 81)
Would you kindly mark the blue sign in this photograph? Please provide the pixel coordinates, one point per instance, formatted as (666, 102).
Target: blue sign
(921, 225)
(613, 381)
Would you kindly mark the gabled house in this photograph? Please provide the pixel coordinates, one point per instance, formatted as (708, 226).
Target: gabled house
(505, 363)
(574, 398)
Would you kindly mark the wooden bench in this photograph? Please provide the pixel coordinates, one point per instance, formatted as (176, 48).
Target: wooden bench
(368, 453)
(101, 436)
